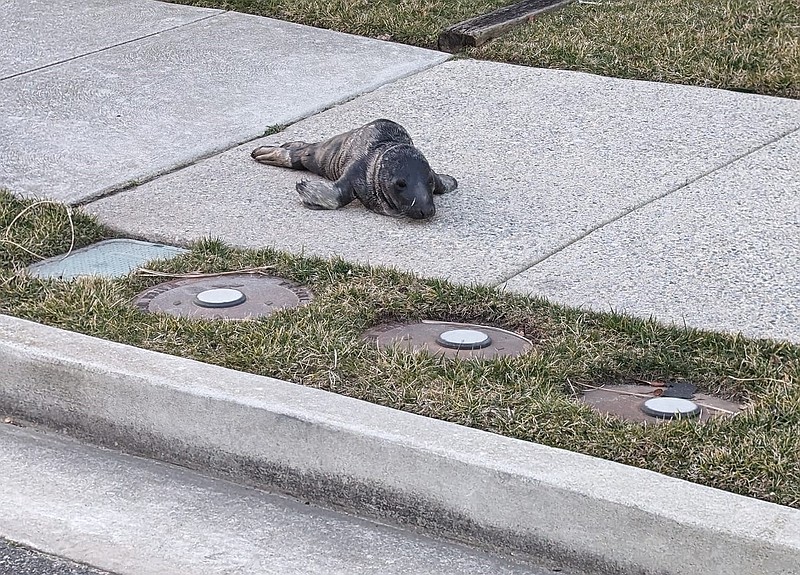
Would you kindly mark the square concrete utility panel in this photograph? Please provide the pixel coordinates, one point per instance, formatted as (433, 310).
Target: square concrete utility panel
(78, 129)
(110, 259)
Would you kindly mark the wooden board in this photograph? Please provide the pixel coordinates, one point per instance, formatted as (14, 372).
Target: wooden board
(481, 29)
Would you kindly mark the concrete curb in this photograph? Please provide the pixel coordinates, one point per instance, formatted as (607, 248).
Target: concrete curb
(460, 482)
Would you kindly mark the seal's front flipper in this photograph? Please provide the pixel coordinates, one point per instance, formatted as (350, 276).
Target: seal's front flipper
(444, 183)
(285, 156)
(322, 195)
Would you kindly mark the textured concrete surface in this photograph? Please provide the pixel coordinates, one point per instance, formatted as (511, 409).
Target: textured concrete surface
(722, 253)
(92, 124)
(542, 156)
(38, 33)
(478, 486)
(16, 559)
(134, 516)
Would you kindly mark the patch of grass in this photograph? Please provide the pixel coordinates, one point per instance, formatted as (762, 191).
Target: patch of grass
(749, 45)
(416, 22)
(274, 129)
(33, 229)
(756, 453)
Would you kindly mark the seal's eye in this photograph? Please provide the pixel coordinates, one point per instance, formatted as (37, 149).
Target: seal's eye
(400, 184)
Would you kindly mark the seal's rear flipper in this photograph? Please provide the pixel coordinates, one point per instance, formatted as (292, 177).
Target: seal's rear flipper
(285, 156)
(444, 183)
(321, 195)
(272, 156)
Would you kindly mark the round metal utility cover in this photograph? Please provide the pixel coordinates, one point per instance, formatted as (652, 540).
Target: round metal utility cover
(464, 339)
(219, 297)
(670, 407)
(238, 296)
(625, 401)
(446, 338)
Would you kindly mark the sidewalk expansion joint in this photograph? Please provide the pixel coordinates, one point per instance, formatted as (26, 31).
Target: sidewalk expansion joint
(105, 48)
(270, 131)
(641, 205)
(117, 189)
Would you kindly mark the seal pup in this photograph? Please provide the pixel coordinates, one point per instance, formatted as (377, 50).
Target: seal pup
(377, 163)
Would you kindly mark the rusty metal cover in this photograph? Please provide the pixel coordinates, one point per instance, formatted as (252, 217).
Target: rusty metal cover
(451, 339)
(625, 401)
(239, 296)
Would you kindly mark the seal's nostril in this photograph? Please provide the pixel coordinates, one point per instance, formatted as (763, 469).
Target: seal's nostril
(420, 213)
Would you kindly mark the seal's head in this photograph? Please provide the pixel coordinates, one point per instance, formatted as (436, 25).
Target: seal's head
(406, 183)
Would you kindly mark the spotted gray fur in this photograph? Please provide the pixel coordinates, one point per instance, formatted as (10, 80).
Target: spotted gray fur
(377, 163)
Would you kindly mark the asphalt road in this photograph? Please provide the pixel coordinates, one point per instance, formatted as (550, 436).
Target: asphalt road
(16, 559)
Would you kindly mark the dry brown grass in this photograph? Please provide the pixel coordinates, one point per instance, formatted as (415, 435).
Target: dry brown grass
(531, 397)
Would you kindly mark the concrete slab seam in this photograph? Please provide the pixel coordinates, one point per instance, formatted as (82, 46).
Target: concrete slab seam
(460, 482)
(127, 186)
(641, 205)
(114, 190)
(110, 46)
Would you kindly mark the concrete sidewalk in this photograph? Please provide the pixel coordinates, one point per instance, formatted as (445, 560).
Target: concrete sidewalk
(657, 199)
(113, 114)
(550, 163)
